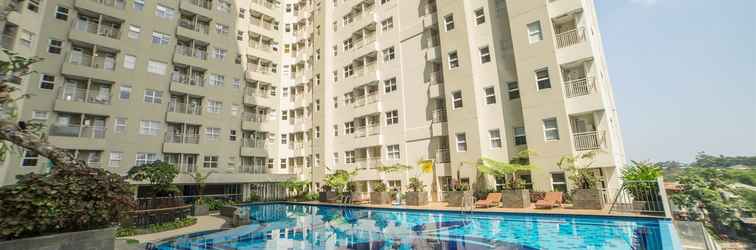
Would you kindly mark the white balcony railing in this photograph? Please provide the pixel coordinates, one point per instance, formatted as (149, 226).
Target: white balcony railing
(182, 138)
(587, 140)
(182, 78)
(569, 38)
(185, 108)
(439, 115)
(97, 132)
(579, 87)
(118, 4)
(442, 155)
(84, 95)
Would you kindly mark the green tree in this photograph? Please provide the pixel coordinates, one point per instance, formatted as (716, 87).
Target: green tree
(639, 176)
(339, 180)
(507, 170)
(702, 187)
(201, 180)
(159, 174)
(296, 186)
(579, 169)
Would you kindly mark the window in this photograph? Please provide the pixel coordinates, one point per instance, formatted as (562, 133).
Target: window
(385, 2)
(145, 158)
(240, 35)
(236, 83)
(519, 136)
(453, 60)
(138, 5)
(550, 129)
(392, 152)
(212, 133)
(134, 31)
(349, 156)
(61, 13)
(485, 55)
(55, 46)
(153, 96)
(284, 138)
(232, 135)
(129, 61)
(30, 159)
(348, 71)
(456, 99)
(46, 81)
(514, 90)
(558, 182)
(219, 53)
(120, 125)
(164, 12)
(216, 80)
(388, 54)
(490, 94)
(224, 6)
(283, 163)
(147, 127)
(235, 109)
(387, 24)
(392, 117)
(534, 32)
(124, 92)
(26, 38)
(40, 115)
(211, 161)
(449, 22)
(461, 142)
(336, 102)
(214, 106)
(221, 28)
(542, 78)
(495, 138)
(348, 128)
(156, 67)
(114, 160)
(336, 130)
(160, 38)
(480, 16)
(389, 85)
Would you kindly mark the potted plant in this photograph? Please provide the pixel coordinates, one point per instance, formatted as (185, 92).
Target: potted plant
(457, 194)
(338, 182)
(326, 194)
(297, 187)
(514, 195)
(416, 195)
(201, 207)
(379, 196)
(640, 181)
(578, 168)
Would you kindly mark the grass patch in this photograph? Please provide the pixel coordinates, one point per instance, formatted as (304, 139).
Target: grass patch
(155, 228)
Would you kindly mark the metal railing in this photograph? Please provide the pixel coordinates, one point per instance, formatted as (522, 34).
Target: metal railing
(641, 197)
(84, 95)
(443, 156)
(252, 169)
(207, 4)
(588, 140)
(185, 108)
(254, 143)
(191, 52)
(254, 117)
(97, 29)
(569, 38)
(368, 163)
(182, 138)
(186, 167)
(579, 87)
(265, 3)
(439, 115)
(436, 77)
(97, 132)
(197, 27)
(118, 4)
(87, 60)
(198, 81)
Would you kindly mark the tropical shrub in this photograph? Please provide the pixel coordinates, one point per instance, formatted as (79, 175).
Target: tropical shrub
(416, 185)
(640, 180)
(296, 186)
(339, 180)
(156, 228)
(64, 200)
(507, 170)
(579, 169)
(379, 187)
(159, 174)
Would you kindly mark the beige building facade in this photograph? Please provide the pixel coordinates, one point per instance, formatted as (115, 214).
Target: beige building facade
(262, 91)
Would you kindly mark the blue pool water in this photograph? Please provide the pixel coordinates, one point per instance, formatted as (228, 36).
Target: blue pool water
(290, 226)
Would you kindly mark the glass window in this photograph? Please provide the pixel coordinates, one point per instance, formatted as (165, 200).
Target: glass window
(145, 158)
(129, 61)
(490, 94)
(392, 117)
(534, 32)
(392, 152)
(449, 22)
(55, 46)
(114, 160)
(211, 161)
(138, 5)
(61, 13)
(30, 159)
(40, 115)
(514, 90)
(387, 24)
(461, 142)
(164, 12)
(134, 31)
(46, 81)
(389, 85)
(388, 54)
(485, 54)
(160, 38)
(457, 99)
(494, 137)
(542, 78)
(156, 67)
(153, 96)
(558, 182)
(212, 133)
(453, 60)
(149, 127)
(120, 125)
(124, 92)
(480, 16)
(550, 129)
(519, 136)
(214, 106)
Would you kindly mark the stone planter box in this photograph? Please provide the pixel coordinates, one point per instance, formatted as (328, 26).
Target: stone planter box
(417, 198)
(327, 196)
(380, 198)
(200, 210)
(228, 211)
(518, 198)
(92, 239)
(587, 199)
(456, 198)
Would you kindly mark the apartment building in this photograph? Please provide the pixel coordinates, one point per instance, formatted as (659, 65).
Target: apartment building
(260, 91)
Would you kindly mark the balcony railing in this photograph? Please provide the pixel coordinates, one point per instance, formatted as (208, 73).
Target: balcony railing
(253, 117)
(260, 69)
(98, 29)
(207, 4)
(579, 87)
(442, 155)
(254, 143)
(98, 62)
(84, 95)
(182, 138)
(569, 38)
(198, 81)
(368, 163)
(190, 52)
(118, 4)
(197, 27)
(265, 3)
(587, 140)
(439, 115)
(185, 108)
(261, 24)
(367, 99)
(97, 132)
(257, 93)
(186, 167)
(436, 78)
(7, 41)
(369, 130)
(252, 169)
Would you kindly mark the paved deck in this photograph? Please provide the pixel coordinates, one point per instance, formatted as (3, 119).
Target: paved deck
(204, 223)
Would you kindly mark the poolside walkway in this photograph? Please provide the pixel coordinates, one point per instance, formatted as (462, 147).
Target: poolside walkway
(204, 223)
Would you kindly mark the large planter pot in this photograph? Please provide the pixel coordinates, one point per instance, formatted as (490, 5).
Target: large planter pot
(380, 198)
(200, 210)
(92, 239)
(456, 198)
(518, 198)
(228, 211)
(587, 199)
(417, 198)
(328, 196)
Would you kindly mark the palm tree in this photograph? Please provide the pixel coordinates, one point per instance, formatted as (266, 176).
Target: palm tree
(507, 170)
(579, 169)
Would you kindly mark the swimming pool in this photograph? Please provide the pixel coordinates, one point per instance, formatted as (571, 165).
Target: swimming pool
(295, 226)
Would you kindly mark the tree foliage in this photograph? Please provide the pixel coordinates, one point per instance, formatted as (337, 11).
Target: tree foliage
(641, 178)
(579, 169)
(159, 174)
(299, 187)
(416, 185)
(721, 161)
(339, 180)
(507, 170)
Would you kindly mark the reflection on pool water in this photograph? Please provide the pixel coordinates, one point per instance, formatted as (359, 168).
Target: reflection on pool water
(290, 226)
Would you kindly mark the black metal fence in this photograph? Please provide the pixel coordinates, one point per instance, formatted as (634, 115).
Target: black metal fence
(640, 197)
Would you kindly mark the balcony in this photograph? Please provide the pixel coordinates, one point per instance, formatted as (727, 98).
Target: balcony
(81, 100)
(443, 156)
(591, 140)
(255, 147)
(361, 101)
(104, 33)
(579, 87)
(183, 83)
(368, 163)
(570, 38)
(114, 8)
(78, 136)
(82, 63)
(252, 169)
(182, 138)
(256, 72)
(365, 131)
(194, 30)
(439, 115)
(201, 7)
(190, 56)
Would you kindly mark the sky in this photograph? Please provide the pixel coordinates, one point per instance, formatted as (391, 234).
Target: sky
(684, 75)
